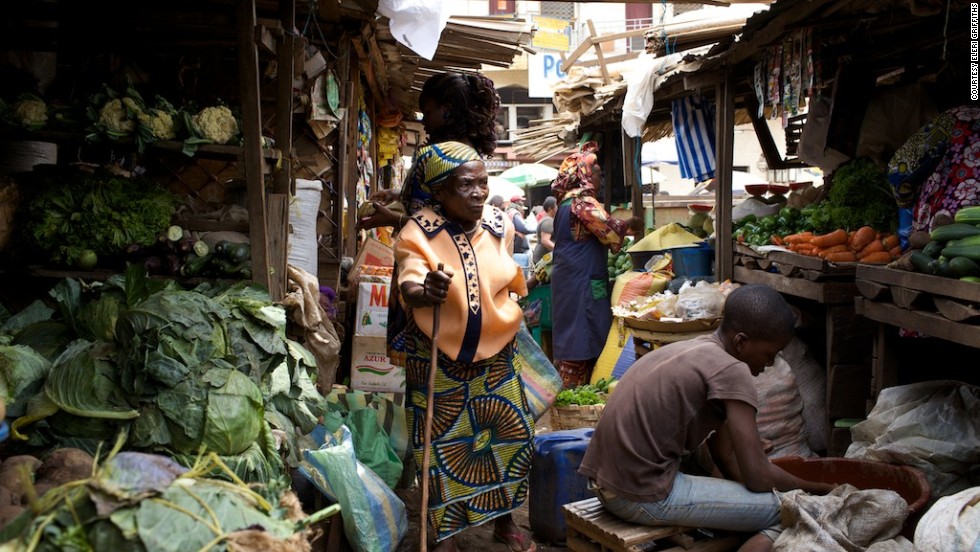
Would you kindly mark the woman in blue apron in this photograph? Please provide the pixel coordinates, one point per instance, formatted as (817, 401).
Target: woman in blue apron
(583, 232)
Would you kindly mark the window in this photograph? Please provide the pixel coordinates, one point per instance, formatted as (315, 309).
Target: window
(513, 117)
(558, 10)
(503, 7)
(638, 16)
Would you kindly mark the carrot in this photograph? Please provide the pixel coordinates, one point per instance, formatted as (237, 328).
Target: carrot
(776, 240)
(801, 237)
(833, 249)
(862, 237)
(876, 246)
(878, 257)
(895, 252)
(890, 241)
(841, 257)
(813, 252)
(836, 237)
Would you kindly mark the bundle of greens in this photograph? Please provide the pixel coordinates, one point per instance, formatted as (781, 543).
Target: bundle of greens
(859, 196)
(139, 502)
(68, 214)
(179, 371)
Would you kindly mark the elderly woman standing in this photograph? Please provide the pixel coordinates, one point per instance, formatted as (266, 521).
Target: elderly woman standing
(482, 432)
(581, 311)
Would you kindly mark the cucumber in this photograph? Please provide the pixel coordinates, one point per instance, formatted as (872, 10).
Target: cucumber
(940, 267)
(955, 231)
(194, 264)
(922, 262)
(965, 242)
(201, 248)
(968, 215)
(969, 251)
(963, 266)
(933, 249)
(238, 252)
(175, 233)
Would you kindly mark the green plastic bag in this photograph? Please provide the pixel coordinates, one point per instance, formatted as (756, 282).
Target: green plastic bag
(372, 446)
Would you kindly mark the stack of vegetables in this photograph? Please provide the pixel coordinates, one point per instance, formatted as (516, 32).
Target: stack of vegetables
(75, 218)
(586, 394)
(864, 245)
(138, 502)
(620, 262)
(175, 371)
(953, 250)
(855, 223)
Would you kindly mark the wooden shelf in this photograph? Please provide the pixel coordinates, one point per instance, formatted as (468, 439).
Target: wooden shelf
(826, 292)
(925, 322)
(208, 151)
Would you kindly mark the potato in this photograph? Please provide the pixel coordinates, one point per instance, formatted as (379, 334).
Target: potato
(31, 462)
(7, 497)
(13, 481)
(9, 513)
(64, 465)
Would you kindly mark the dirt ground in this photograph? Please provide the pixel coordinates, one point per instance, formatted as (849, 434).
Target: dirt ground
(475, 538)
(478, 538)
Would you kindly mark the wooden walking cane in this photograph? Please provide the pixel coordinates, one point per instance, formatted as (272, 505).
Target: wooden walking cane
(427, 433)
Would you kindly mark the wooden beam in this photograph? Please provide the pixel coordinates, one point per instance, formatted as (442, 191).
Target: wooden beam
(724, 152)
(631, 179)
(283, 177)
(265, 37)
(598, 53)
(278, 209)
(613, 59)
(248, 65)
(769, 149)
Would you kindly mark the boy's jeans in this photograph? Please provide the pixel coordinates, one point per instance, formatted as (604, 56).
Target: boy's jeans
(696, 501)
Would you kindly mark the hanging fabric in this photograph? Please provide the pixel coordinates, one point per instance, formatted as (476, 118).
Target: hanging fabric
(693, 119)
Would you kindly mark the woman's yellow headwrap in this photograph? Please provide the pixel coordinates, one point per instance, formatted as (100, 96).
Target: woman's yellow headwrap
(434, 163)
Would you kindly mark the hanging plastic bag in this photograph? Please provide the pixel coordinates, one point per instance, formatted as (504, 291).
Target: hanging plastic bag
(541, 380)
(375, 519)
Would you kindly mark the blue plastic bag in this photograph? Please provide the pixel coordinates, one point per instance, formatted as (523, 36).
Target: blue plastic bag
(375, 519)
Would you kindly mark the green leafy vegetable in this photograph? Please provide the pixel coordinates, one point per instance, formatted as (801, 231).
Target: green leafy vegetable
(69, 212)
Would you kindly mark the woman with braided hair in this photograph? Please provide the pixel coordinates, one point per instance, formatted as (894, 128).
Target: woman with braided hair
(455, 107)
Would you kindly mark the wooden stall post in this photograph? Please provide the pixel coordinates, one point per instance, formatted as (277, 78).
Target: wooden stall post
(248, 62)
(725, 136)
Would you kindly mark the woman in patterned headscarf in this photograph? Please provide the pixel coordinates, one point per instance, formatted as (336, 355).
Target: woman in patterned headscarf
(583, 231)
(482, 432)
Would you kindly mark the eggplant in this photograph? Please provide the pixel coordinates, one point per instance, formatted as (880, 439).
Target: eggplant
(153, 265)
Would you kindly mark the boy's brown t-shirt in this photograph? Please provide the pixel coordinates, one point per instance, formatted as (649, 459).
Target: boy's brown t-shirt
(666, 405)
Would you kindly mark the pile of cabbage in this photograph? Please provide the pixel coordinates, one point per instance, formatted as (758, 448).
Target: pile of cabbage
(137, 502)
(175, 371)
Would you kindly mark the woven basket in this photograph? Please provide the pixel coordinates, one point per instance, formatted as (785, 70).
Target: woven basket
(575, 416)
(8, 205)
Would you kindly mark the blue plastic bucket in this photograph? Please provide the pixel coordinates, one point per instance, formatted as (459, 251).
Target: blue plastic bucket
(693, 262)
(555, 480)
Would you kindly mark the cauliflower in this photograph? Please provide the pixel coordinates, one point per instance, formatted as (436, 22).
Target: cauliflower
(216, 124)
(159, 123)
(115, 118)
(30, 113)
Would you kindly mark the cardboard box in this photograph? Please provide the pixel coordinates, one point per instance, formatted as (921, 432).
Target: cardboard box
(372, 309)
(370, 368)
(374, 253)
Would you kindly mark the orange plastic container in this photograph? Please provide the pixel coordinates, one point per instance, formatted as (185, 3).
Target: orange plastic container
(907, 481)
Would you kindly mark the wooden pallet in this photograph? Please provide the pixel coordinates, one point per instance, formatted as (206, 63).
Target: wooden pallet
(591, 528)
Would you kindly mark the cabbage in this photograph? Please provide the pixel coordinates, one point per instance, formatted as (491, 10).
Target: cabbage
(22, 373)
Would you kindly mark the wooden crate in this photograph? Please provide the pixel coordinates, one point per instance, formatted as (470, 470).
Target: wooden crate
(591, 528)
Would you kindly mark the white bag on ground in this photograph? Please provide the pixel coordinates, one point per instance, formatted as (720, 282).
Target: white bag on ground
(953, 523)
(932, 426)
